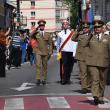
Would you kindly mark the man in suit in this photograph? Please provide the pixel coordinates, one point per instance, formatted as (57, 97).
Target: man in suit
(81, 53)
(43, 51)
(98, 60)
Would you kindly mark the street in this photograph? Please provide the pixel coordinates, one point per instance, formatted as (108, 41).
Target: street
(19, 91)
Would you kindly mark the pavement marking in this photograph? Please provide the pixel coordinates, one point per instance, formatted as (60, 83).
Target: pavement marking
(48, 94)
(24, 86)
(14, 104)
(57, 102)
(105, 105)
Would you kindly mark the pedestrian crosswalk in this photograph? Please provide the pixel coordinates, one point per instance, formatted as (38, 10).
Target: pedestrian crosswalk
(51, 103)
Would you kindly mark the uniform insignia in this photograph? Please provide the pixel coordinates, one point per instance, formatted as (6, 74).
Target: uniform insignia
(38, 35)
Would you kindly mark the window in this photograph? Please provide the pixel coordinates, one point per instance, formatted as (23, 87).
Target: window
(57, 13)
(58, 23)
(33, 24)
(33, 13)
(32, 3)
(59, 3)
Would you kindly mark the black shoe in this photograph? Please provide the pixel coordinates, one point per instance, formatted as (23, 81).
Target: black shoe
(96, 100)
(38, 82)
(101, 102)
(84, 91)
(69, 82)
(9, 67)
(108, 82)
(64, 83)
(44, 82)
(88, 91)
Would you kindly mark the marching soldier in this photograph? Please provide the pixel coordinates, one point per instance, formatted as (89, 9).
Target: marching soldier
(108, 33)
(98, 60)
(43, 51)
(81, 53)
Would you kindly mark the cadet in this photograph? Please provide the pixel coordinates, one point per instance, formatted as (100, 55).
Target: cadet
(98, 60)
(81, 53)
(43, 51)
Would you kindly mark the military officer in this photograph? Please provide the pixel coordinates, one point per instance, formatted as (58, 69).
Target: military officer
(108, 33)
(81, 53)
(43, 51)
(98, 60)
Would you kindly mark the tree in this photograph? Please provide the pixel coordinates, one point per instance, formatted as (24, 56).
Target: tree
(74, 10)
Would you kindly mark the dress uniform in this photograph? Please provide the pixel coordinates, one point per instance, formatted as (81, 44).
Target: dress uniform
(98, 60)
(67, 60)
(43, 51)
(81, 54)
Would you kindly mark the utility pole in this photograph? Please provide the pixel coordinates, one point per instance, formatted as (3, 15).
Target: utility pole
(18, 14)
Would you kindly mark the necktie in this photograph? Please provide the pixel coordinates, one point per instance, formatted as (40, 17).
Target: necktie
(42, 33)
(65, 31)
(98, 36)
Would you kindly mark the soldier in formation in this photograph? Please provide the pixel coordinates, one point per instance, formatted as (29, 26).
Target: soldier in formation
(108, 33)
(81, 54)
(97, 60)
(43, 51)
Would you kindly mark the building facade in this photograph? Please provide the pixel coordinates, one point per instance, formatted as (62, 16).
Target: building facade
(101, 8)
(2, 13)
(53, 11)
(9, 18)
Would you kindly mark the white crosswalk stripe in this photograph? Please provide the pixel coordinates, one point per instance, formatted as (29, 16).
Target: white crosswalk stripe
(14, 104)
(57, 102)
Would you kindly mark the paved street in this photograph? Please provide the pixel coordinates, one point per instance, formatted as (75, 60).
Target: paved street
(19, 92)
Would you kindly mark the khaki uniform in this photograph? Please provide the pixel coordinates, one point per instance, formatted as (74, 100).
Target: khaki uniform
(98, 61)
(81, 53)
(43, 52)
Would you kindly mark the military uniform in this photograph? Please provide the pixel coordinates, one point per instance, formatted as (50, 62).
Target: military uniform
(108, 73)
(98, 61)
(81, 53)
(43, 52)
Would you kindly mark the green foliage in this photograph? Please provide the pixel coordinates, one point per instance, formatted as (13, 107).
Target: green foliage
(73, 5)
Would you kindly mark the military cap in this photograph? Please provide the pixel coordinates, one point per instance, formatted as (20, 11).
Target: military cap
(41, 22)
(98, 23)
(85, 24)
